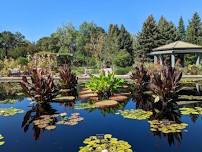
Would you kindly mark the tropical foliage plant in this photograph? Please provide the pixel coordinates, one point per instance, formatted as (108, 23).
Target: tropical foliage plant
(140, 77)
(165, 84)
(41, 87)
(104, 84)
(68, 79)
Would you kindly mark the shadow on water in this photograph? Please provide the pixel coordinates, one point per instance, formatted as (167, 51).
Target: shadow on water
(34, 114)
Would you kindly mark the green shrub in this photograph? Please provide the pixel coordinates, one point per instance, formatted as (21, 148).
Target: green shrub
(123, 59)
(22, 61)
(122, 71)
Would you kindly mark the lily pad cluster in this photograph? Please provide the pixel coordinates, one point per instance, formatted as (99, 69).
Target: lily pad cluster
(106, 144)
(10, 111)
(1, 140)
(45, 122)
(191, 111)
(166, 126)
(84, 106)
(74, 119)
(138, 114)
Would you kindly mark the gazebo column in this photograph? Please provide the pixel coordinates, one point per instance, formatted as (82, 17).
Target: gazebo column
(173, 60)
(161, 59)
(155, 59)
(198, 60)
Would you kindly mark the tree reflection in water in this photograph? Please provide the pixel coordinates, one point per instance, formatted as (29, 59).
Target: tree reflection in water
(34, 114)
(169, 112)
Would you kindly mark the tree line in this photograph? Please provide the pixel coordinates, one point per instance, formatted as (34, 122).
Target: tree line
(91, 45)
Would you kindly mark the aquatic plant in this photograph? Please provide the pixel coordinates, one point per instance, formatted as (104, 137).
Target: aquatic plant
(68, 80)
(106, 104)
(119, 98)
(74, 119)
(166, 126)
(35, 113)
(165, 84)
(10, 111)
(106, 143)
(64, 98)
(41, 87)
(84, 106)
(104, 84)
(191, 111)
(138, 114)
(140, 77)
(46, 122)
(1, 140)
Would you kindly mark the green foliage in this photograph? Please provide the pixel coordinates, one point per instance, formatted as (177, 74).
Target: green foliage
(181, 29)
(191, 111)
(94, 144)
(22, 61)
(10, 111)
(194, 30)
(148, 38)
(122, 70)
(167, 126)
(167, 32)
(122, 59)
(104, 84)
(138, 114)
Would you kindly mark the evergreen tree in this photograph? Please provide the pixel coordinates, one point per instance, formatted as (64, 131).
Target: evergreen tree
(112, 43)
(148, 37)
(181, 29)
(167, 32)
(125, 40)
(194, 30)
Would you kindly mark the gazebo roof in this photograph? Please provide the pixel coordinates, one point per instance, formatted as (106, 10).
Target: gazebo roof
(177, 47)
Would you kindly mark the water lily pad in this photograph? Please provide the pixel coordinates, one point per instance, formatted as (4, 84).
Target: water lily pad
(84, 106)
(74, 119)
(191, 111)
(138, 114)
(105, 144)
(1, 140)
(87, 96)
(106, 103)
(64, 98)
(51, 127)
(10, 111)
(166, 126)
(119, 98)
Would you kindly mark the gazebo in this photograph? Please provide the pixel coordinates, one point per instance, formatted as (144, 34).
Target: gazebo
(176, 48)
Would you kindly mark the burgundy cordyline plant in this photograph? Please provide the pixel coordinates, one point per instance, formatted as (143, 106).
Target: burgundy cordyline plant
(68, 80)
(140, 77)
(41, 87)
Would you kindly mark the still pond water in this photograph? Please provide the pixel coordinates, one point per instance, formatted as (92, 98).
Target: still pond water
(69, 138)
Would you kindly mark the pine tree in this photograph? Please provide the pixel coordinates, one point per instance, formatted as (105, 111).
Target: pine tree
(194, 30)
(125, 40)
(181, 29)
(167, 32)
(148, 37)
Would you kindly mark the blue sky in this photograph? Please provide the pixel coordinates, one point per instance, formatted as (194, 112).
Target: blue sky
(38, 18)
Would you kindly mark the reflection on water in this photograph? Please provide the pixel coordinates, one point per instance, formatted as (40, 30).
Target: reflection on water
(137, 133)
(34, 114)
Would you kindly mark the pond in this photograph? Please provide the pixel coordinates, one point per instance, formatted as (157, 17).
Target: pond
(21, 135)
